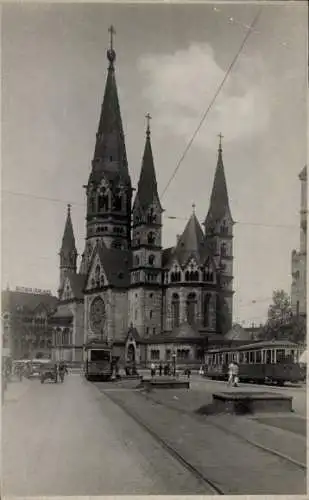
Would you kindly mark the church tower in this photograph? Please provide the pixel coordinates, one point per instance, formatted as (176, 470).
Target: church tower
(219, 238)
(145, 296)
(68, 253)
(109, 190)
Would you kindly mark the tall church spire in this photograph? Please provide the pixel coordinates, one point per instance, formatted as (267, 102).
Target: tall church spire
(219, 201)
(68, 252)
(147, 191)
(110, 151)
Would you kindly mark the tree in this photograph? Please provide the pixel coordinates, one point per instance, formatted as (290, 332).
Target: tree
(281, 323)
(280, 311)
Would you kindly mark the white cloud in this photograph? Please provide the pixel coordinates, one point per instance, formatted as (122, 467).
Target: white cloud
(180, 87)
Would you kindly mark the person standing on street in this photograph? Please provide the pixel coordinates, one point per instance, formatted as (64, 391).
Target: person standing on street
(152, 370)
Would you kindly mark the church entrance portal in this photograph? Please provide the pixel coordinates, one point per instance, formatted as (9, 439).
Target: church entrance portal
(131, 354)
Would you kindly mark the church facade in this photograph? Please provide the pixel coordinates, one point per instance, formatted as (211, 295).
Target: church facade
(148, 302)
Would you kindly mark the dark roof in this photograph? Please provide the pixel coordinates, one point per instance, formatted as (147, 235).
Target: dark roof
(63, 312)
(219, 201)
(78, 282)
(68, 239)
(191, 243)
(27, 302)
(183, 333)
(116, 264)
(147, 191)
(110, 155)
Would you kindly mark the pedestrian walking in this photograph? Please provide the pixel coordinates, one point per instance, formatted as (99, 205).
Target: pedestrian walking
(233, 374)
(152, 370)
(188, 373)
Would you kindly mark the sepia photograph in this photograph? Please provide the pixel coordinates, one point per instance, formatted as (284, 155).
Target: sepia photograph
(154, 248)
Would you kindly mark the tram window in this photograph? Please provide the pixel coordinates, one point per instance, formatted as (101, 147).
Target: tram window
(258, 357)
(280, 355)
(251, 359)
(268, 357)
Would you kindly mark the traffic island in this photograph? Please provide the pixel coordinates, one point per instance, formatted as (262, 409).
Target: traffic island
(164, 383)
(242, 403)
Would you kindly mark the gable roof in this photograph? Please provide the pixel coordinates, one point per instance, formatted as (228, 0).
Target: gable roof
(116, 264)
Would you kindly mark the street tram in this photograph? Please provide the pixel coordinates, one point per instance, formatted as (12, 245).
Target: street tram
(259, 362)
(98, 361)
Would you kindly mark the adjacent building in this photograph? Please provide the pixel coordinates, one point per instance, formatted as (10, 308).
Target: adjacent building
(27, 330)
(299, 258)
(147, 301)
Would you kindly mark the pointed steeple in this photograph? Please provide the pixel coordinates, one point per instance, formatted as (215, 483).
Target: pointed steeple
(147, 191)
(219, 201)
(110, 151)
(191, 242)
(68, 239)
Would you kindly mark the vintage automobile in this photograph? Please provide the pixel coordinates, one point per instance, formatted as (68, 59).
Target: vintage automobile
(49, 371)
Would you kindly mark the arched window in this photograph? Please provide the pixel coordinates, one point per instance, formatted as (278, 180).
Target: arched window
(191, 306)
(223, 250)
(187, 276)
(208, 273)
(136, 260)
(206, 302)
(151, 260)
(150, 238)
(92, 206)
(224, 228)
(117, 201)
(175, 310)
(103, 200)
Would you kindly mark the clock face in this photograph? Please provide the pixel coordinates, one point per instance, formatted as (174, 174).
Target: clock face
(97, 315)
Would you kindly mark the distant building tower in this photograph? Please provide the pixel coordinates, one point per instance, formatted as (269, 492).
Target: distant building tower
(299, 258)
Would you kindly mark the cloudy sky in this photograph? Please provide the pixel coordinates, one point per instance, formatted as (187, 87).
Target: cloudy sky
(170, 61)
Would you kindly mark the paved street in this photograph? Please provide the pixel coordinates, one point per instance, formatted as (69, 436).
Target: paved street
(71, 440)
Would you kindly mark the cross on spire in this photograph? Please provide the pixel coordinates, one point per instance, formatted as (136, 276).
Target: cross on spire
(148, 118)
(193, 207)
(69, 208)
(220, 141)
(112, 32)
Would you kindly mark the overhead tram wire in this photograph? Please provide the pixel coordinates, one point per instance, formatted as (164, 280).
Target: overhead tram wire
(213, 100)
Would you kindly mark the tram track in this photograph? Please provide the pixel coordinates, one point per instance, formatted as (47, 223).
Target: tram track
(196, 471)
(210, 485)
(271, 451)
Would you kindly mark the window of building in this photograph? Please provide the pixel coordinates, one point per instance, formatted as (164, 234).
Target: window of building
(102, 201)
(223, 250)
(175, 310)
(150, 295)
(147, 330)
(150, 314)
(136, 260)
(206, 303)
(155, 354)
(154, 331)
(187, 276)
(297, 308)
(191, 306)
(151, 238)
(151, 260)
(135, 314)
(183, 354)
(117, 202)
(224, 228)
(167, 354)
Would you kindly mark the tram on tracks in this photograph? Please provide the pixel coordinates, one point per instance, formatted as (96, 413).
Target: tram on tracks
(99, 361)
(259, 362)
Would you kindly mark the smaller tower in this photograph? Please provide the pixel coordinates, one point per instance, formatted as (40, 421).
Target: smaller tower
(219, 236)
(146, 275)
(68, 253)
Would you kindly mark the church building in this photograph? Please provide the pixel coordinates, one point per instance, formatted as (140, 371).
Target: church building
(148, 302)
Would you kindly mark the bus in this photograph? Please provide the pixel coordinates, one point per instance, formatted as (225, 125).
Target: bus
(260, 362)
(98, 361)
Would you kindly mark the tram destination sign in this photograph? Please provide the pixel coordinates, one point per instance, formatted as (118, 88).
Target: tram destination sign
(37, 291)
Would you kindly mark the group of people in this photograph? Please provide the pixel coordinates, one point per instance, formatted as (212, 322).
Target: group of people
(165, 370)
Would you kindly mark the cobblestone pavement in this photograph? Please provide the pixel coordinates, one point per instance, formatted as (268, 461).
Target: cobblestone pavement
(69, 439)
